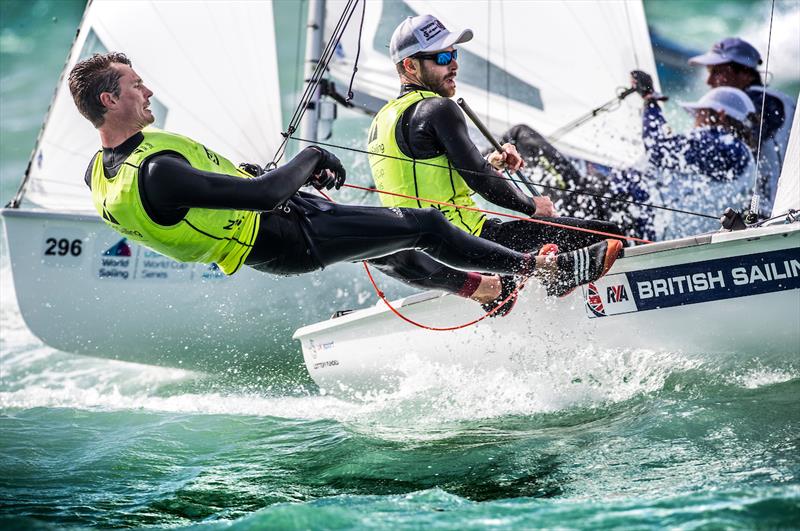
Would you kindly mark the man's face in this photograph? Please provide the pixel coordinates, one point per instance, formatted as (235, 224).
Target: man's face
(440, 79)
(133, 103)
(725, 75)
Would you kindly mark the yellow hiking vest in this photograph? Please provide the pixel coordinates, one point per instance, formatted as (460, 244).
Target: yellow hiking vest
(203, 235)
(432, 178)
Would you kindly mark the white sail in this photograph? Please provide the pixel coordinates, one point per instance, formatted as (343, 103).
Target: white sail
(211, 65)
(788, 195)
(542, 63)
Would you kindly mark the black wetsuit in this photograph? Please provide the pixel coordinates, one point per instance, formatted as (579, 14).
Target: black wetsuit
(436, 126)
(301, 232)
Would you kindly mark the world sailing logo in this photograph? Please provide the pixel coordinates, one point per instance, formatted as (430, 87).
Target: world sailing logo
(121, 248)
(116, 262)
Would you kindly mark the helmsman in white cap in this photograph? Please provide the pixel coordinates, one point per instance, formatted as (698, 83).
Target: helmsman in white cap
(420, 151)
(734, 62)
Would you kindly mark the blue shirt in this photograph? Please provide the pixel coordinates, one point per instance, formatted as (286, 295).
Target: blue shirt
(710, 151)
(703, 171)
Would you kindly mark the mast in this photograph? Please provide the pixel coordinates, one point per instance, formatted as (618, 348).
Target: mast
(314, 33)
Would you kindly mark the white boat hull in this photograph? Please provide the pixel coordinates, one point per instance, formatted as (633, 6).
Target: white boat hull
(725, 310)
(82, 288)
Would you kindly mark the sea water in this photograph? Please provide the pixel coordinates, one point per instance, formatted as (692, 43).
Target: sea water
(639, 439)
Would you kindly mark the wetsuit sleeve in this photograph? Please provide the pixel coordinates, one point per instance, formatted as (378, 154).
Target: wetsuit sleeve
(170, 182)
(709, 151)
(450, 128)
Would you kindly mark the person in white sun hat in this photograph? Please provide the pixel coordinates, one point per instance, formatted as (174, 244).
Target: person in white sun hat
(734, 62)
(726, 107)
(705, 170)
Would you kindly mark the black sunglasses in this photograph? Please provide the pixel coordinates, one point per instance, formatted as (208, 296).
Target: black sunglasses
(441, 58)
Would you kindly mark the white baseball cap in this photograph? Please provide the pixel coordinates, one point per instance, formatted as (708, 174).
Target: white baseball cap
(733, 101)
(423, 33)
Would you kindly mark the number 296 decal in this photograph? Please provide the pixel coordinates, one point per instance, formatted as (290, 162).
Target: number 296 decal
(63, 247)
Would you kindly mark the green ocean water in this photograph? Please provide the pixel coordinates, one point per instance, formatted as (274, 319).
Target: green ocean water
(653, 440)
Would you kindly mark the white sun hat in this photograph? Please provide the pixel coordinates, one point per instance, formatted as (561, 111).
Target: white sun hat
(733, 101)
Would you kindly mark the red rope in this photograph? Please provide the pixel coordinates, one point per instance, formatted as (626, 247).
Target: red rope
(436, 328)
(507, 299)
(521, 218)
(415, 323)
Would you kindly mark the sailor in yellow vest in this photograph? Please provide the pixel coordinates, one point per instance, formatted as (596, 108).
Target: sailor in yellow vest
(420, 147)
(181, 199)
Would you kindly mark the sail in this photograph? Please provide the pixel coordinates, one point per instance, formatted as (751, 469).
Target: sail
(211, 65)
(541, 63)
(788, 195)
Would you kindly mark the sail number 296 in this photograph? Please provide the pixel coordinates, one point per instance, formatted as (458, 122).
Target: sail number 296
(63, 247)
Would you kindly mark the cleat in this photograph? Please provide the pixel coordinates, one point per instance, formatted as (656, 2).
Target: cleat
(581, 266)
(508, 286)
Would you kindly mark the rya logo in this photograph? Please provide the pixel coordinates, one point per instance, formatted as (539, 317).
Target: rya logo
(616, 293)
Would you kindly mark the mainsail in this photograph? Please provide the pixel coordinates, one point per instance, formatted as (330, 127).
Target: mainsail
(213, 68)
(542, 63)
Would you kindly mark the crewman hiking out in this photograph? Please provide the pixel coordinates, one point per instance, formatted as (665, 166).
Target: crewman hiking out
(420, 148)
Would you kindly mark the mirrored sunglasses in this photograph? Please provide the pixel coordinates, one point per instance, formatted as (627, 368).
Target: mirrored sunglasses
(441, 58)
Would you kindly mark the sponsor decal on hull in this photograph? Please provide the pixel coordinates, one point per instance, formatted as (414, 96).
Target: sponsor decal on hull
(693, 283)
(126, 261)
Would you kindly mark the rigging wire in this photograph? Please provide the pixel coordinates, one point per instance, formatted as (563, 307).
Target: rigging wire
(609, 106)
(441, 328)
(512, 216)
(307, 94)
(358, 52)
(511, 179)
(298, 60)
(316, 77)
(395, 311)
(755, 200)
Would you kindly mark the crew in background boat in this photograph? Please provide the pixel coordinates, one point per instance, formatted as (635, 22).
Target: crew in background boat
(705, 170)
(419, 147)
(183, 200)
(733, 62)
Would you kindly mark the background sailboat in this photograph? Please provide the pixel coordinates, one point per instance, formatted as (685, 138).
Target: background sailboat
(81, 287)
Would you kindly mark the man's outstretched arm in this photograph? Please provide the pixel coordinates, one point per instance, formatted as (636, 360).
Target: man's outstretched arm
(170, 182)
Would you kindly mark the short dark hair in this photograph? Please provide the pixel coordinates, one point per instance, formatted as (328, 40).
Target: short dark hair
(90, 78)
